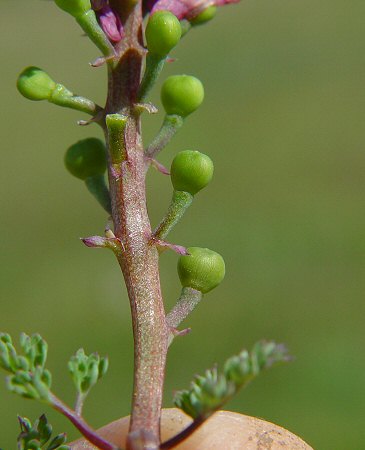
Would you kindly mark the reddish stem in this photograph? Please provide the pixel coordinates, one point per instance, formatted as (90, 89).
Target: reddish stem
(139, 260)
(90, 434)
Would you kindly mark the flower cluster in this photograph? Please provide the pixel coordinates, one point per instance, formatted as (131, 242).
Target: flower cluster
(182, 9)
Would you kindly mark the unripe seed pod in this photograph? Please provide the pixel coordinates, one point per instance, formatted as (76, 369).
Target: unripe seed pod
(191, 171)
(205, 16)
(74, 7)
(163, 32)
(202, 269)
(35, 84)
(86, 158)
(182, 94)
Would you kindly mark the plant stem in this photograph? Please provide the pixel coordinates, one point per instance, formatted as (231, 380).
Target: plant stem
(154, 66)
(188, 300)
(91, 27)
(184, 434)
(90, 434)
(179, 204)
(79, 404)
(170, 126)
(139, 259)
(61, 96)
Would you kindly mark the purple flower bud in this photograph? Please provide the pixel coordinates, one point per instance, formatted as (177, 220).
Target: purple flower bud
(184, 9)
(95, 241)
(108, 20)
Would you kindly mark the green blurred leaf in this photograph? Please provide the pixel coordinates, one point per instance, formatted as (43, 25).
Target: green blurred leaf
(209, 392)
(34, 437)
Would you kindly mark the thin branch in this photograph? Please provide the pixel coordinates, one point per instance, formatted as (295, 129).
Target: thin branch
(169, 128)
(180, 202)
(90, 434)
(154, 66)
(79, 404)
(188, 300)
(183, 434)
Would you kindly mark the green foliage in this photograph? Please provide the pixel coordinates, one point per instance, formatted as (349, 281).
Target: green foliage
(182, 94)
(86, 370)
(241, 368)
(74, 7)
(191, 171)
(86, 158)
(205, 16)
(202, 269)
(163, 32)
(208, 393)
(38, 435)
(29, 377)
(35, 84)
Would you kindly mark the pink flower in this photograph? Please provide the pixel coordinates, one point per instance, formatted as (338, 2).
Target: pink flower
(185, 9)
(108, 20)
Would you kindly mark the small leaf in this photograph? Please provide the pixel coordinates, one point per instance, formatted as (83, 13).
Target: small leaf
(33, 445)
(44, 429)
(41, 350)
(25, 424)
(34, 437)
(41, 387)
(86, 370)
(209, 392)
(5, 338)
(103, 366)
(13, 357)
(47, 378)
(4, 356)
(26, 390)
(22, 363)
(57, 441)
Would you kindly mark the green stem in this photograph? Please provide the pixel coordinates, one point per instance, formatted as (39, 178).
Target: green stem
(97, 187)
(79, 403)
(61, 96)
(89, 24)
(154, 66)
(116, 124)
(171, 124)
(187, 302)
(180, 202)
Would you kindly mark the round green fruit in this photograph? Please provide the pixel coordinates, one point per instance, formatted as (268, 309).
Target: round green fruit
(163, 32)
(182, 94)
(86, 158)
(35, 84)
(191, 171)
(205, 16)
(74, 7)
(202, 269)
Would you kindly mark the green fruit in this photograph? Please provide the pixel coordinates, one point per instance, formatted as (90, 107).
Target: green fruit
(191, 171)
(163, 32)
(74, 7)
(202, 269)
(35, 84)
(182, 94)
(205, 16)
(86, 158)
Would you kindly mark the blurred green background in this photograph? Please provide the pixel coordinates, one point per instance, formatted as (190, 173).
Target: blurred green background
(283, 121)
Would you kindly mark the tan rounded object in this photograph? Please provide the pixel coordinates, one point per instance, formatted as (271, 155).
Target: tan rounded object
(225, 430)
